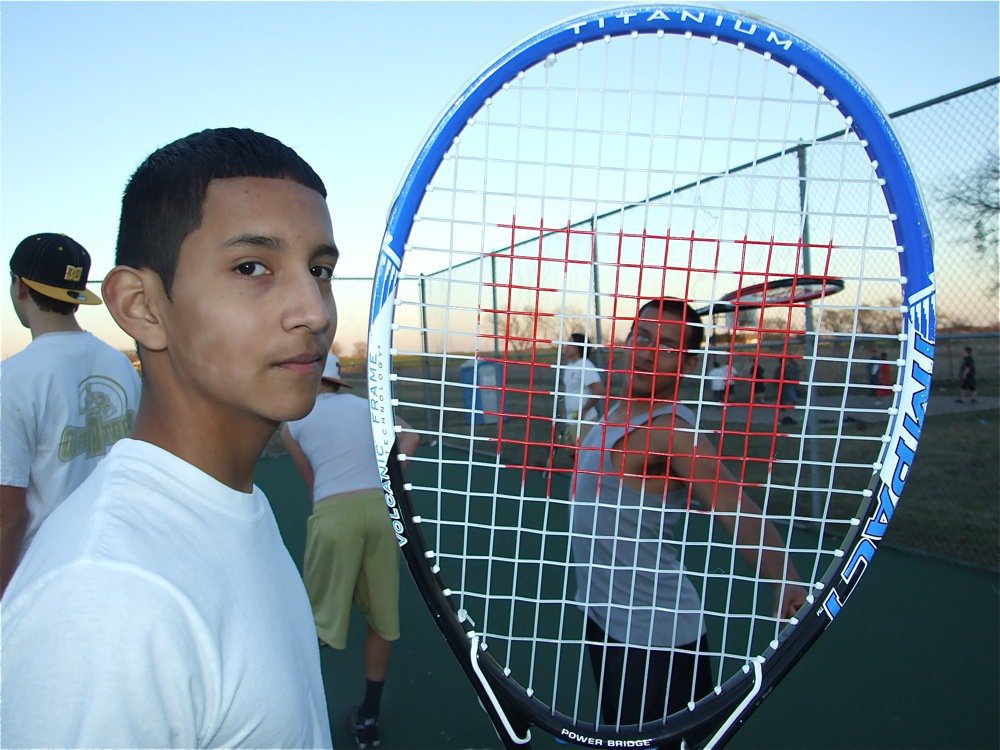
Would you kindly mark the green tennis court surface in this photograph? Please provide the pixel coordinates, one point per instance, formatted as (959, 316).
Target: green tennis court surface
(913, 662)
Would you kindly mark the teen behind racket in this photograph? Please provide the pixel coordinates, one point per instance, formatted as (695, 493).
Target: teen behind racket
(637, 474)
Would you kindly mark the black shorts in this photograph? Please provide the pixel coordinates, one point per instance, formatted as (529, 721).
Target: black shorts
(633, 681)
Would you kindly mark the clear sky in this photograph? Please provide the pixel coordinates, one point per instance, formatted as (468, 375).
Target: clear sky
(88, 90)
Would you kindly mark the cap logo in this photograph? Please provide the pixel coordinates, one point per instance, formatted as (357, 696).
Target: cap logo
(73, 273)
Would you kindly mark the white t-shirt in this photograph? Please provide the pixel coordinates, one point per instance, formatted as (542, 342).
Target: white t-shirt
(64, 401)
(718, 376)
(336, 436)
(159, 608)
(577, 377)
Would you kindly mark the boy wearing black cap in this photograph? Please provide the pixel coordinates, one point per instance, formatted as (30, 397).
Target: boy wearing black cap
(66, 398)
(159, 606)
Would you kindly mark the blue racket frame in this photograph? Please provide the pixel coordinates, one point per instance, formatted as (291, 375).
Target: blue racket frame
(508, 705)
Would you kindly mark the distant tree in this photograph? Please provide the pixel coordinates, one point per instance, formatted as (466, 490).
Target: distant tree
(974, 199)
(525, 329)
(518, 329)
(883, 318)
(558, 328)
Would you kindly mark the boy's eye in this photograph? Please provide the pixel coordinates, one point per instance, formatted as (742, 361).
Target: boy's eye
(324, 273)
(251, 268)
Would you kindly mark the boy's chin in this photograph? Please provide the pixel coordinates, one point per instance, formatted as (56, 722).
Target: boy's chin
(292, 411)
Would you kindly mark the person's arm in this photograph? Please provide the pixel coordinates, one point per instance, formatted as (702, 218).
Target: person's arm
(593, 388)
(298, 456)
(407, 441)
(595, 393)
(757, 539)
(13, 525)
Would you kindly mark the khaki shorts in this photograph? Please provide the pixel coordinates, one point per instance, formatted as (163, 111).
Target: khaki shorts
(352, 557)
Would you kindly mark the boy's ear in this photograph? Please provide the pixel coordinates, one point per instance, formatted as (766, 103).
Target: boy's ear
(21, 289)
(133, 296)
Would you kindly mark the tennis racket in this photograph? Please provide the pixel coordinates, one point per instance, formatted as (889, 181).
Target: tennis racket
(790, 291)
(638, 153)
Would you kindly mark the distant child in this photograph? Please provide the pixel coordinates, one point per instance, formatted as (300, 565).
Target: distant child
(580, 387)
(158, 606)
(968, 376)
(883, 379)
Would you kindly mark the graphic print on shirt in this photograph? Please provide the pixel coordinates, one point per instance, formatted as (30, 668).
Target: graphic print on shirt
(105, 415)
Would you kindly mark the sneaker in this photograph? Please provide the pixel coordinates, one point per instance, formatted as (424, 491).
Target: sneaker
(366, 735)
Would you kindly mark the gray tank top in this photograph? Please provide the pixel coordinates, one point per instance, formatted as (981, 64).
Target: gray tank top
(629, 577)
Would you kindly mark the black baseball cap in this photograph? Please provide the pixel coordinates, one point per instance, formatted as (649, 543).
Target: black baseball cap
(54, 265)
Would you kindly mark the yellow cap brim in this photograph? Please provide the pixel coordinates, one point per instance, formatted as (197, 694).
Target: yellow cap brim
(72, 296)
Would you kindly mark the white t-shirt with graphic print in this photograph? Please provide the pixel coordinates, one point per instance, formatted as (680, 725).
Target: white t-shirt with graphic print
(65, 399)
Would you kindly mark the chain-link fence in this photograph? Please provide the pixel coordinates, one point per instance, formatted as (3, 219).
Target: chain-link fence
(951, 506)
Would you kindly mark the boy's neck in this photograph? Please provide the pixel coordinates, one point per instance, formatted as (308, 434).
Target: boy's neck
(43, 322)
(224, 450)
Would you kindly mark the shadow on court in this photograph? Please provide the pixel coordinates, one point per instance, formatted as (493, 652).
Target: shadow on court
(913, 662)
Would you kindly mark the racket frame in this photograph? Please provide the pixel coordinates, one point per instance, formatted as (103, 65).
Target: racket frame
(738, 696)
(803, 289)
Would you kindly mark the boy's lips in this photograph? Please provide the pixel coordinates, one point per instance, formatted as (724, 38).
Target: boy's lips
(306, 364)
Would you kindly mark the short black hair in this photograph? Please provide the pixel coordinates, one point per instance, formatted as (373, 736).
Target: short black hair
(47, 304)
(164, 198)
(695, 329)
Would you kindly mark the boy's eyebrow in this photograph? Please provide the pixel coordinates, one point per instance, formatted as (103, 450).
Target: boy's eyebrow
(273, 243)
(258, 240)
(327, 250)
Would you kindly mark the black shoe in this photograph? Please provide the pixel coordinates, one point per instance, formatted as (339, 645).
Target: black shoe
(366, 734)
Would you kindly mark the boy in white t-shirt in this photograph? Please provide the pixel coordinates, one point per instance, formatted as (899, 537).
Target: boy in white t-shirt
(158, 606)
(352, 556)
(580, 386)
(65, 399)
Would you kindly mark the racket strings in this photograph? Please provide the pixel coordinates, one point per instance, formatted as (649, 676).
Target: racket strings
(561, 207)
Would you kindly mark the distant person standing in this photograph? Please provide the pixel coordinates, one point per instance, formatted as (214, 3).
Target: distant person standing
(883, 379)
(580, 385)
(66, 398)
(788, 385)
(351, 551)
(718, 378)
(874, 366)
(968, 377)
(758, 383)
